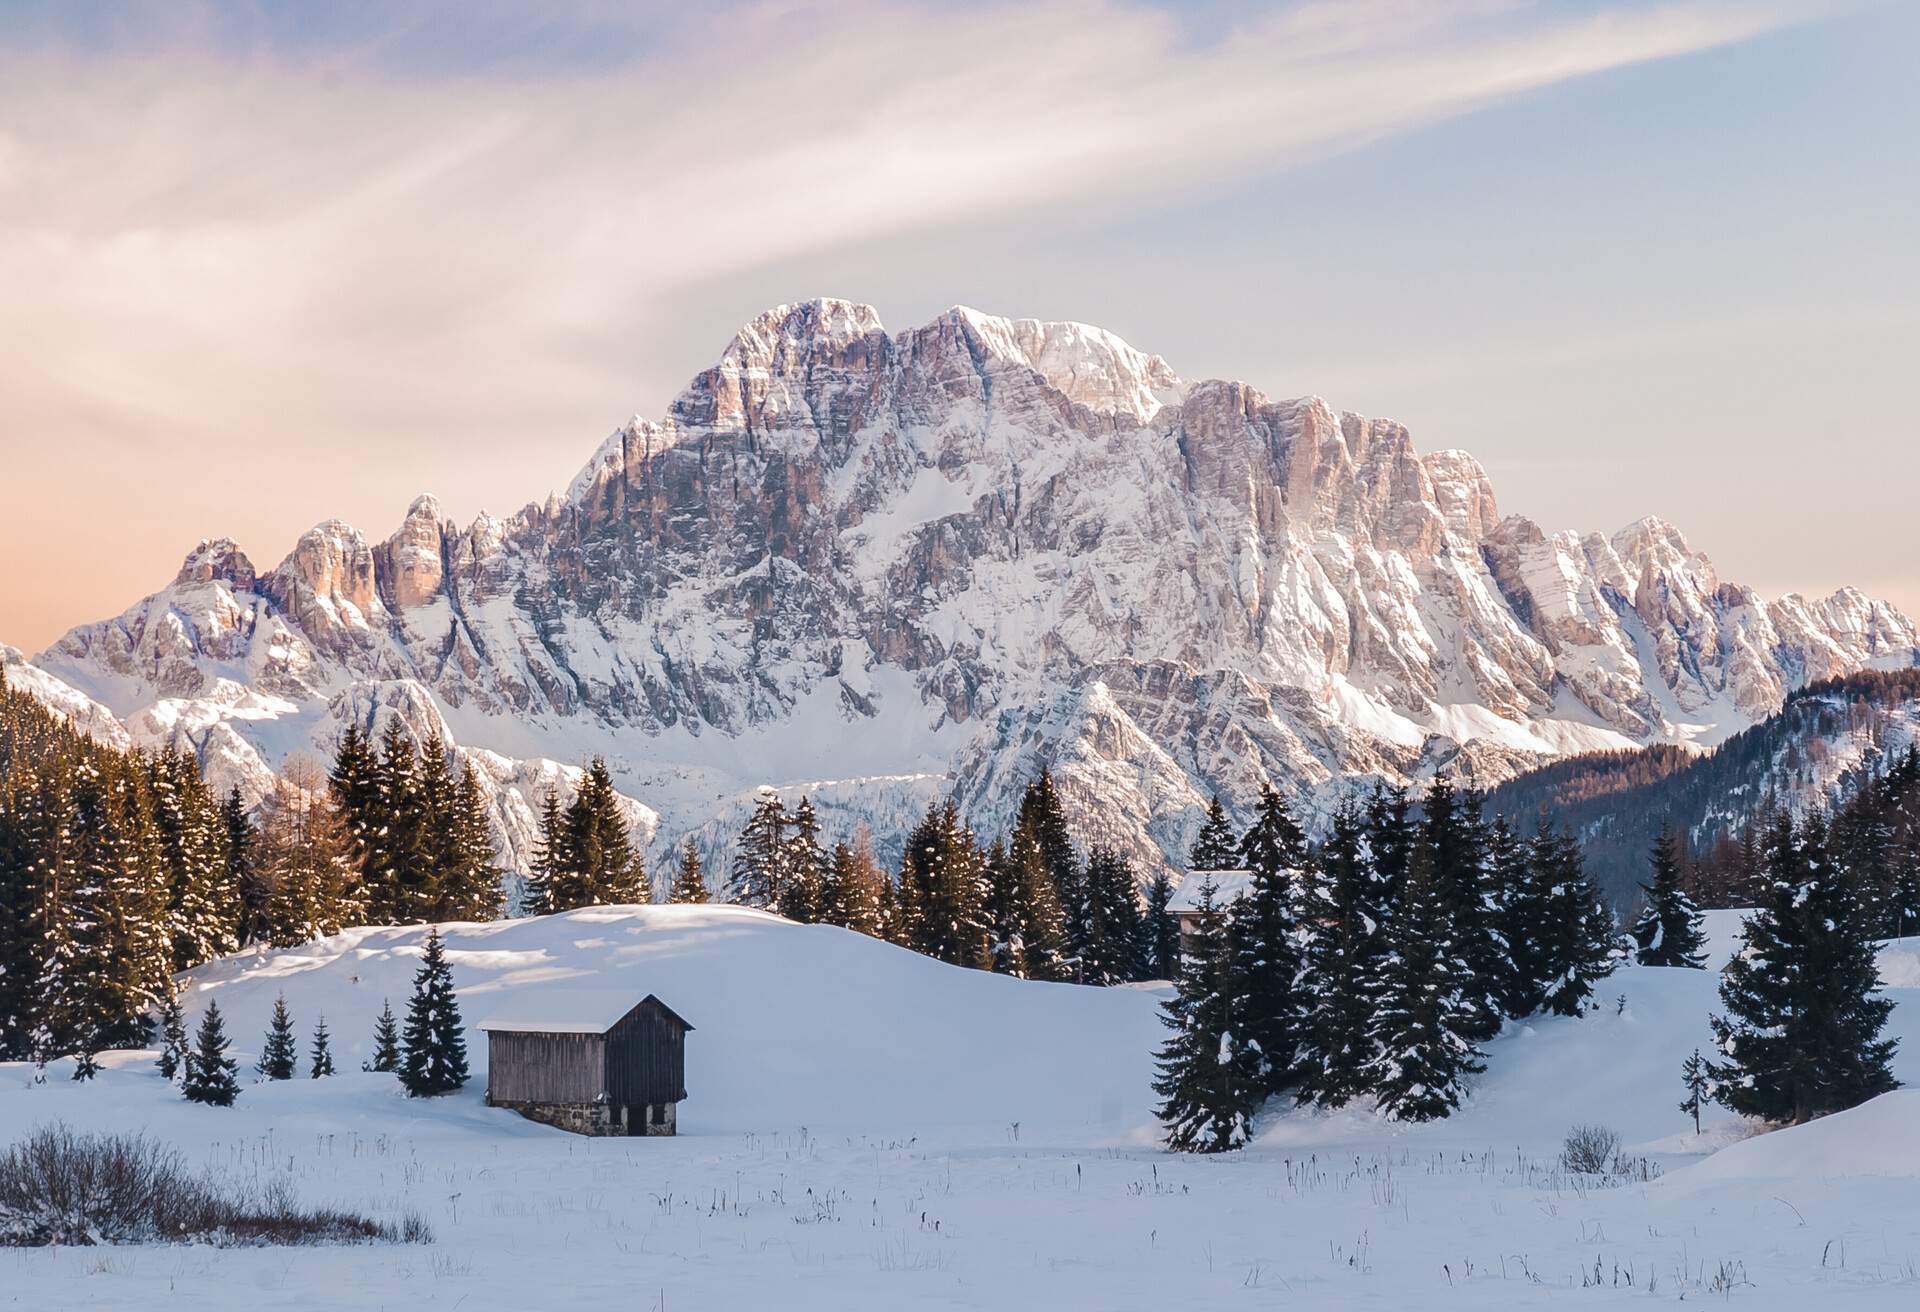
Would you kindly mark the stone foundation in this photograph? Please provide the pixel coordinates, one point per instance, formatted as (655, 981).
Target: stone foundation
(597, 1118)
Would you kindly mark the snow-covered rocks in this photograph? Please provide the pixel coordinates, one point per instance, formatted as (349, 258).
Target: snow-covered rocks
(968, 547)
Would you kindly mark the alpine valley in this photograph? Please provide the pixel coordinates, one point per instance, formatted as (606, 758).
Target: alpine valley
(883, 569)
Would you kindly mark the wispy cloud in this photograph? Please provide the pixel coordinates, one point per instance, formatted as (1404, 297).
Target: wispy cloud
(220, 236)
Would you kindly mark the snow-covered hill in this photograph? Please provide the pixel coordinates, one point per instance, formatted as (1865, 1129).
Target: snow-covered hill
(868, 1128)
(886, 568)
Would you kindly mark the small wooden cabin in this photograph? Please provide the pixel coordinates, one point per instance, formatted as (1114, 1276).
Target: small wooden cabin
(1184, 906)
(592, 1063)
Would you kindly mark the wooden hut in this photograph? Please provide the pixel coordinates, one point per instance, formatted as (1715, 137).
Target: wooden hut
(592, 1063)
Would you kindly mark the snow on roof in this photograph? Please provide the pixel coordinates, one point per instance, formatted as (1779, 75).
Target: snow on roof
(1227, 885)
(563, 1011)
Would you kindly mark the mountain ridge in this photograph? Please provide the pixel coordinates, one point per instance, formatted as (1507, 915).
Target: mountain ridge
(957, 551)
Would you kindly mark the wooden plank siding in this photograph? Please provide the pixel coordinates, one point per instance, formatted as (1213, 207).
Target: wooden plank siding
(646, 1058)
(555, 1068)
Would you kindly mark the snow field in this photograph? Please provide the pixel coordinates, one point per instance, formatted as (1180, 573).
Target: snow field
(870, 1129)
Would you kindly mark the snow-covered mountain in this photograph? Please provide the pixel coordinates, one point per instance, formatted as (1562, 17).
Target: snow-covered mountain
(882, 568)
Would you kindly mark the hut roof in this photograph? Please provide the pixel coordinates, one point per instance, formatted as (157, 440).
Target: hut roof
(569, 1011)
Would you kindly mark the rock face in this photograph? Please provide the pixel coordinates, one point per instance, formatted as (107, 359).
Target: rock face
(883, 568)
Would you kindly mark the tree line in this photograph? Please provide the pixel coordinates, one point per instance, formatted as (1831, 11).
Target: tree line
(1372, 963)
(1025, 904)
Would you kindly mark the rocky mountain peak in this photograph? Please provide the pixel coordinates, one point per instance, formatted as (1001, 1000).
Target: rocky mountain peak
(217, 558)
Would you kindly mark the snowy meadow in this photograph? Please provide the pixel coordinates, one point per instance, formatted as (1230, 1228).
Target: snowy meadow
(870, 1128)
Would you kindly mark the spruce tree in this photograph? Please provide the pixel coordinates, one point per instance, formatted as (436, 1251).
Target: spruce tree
(803, 891)
(210, 1072)
(1801, 1036)
(278, 1055)
(1522, 911)
(1455, 836)
(354, 782)
(1215, 848)
(601, 865)
(1207, 1102)
(470, 876)
(1693, 1075)
(1159, 934)
(1112, 951)
(85, 1066)
(400, 872)
(548, 852)
(321, 1056)
(242, 871)
(760, 857)
(1045, 819)
(689, 881)
(1575, 945)
(433, 1057)
(1343, 925)
(386, 1042)
(173, 1038)
(1668, 932)
(439, 892)
(1422, 1055)
(1035, 919)
(864, 890)
(1007, 950)
(1263, 928)
(203, 908)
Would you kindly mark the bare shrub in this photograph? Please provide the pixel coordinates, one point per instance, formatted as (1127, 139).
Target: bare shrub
(58, 1187)
(1589, 1149)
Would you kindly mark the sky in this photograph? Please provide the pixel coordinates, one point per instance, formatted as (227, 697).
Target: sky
(266, 264)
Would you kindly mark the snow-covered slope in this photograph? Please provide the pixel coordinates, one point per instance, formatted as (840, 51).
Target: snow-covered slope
(871, 1129)
(922, 563)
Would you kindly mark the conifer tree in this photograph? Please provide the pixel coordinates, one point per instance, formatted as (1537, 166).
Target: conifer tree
(689, 881)
(803, 890)
(1801, 1036)
(1390, 840)
(278, 1055)
(173, 1038)
(760, 857)
(400, 866)
(864, 890)
(1215, 848)
(1522, 910)
(433, 1058)
(1668, 932)
(210, 1072)
(1042, 814)
(354, 782)
(1006, 951)
(1693, 1075)
(470, 878)
(1343, 926)
(1422, 1056)
(537, 899)
(1577, 943)
(386, 1042)
(1159, 934)
(1454, 834)
(601, 865)
(434, 778)
(203, 907)
(1263, 928)
(242, 875)
(85, 1066)
(1035, 918)
(303, 859)
(1207, 1102)
(321, 1056)
(1112, 951)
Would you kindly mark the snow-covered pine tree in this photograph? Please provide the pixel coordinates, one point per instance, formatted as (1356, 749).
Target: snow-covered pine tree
(320, 1058)
(278, 1054)
(1390, 840)
(1046, 819)
(1112, 951)
(400, 866)
(537, 898)
(689, 880)
(470, 879)
(209, 1071)
(433, 1046)
(386, 1042)
(354, 782)
(443, 858)
(602, 866)
(1694, 1077)
(1522, 912)
(760, 855)
(1215, 847)
(1577, 942)
(803, 891)
(1037, 917)
(1206, 1103)
(1668, 932)
(203, 907)
(1455, 835)
(1159, 935)
(1263, 930)
(243, 874)
(1006, 949)
(1422, 1056)
(173, 1038)
(85, 1066)
(1343, 926)
(303, 857)
(1801, 1036)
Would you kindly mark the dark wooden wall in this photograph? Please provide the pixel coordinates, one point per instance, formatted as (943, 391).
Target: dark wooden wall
(646, 1059)
(545, 1067)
